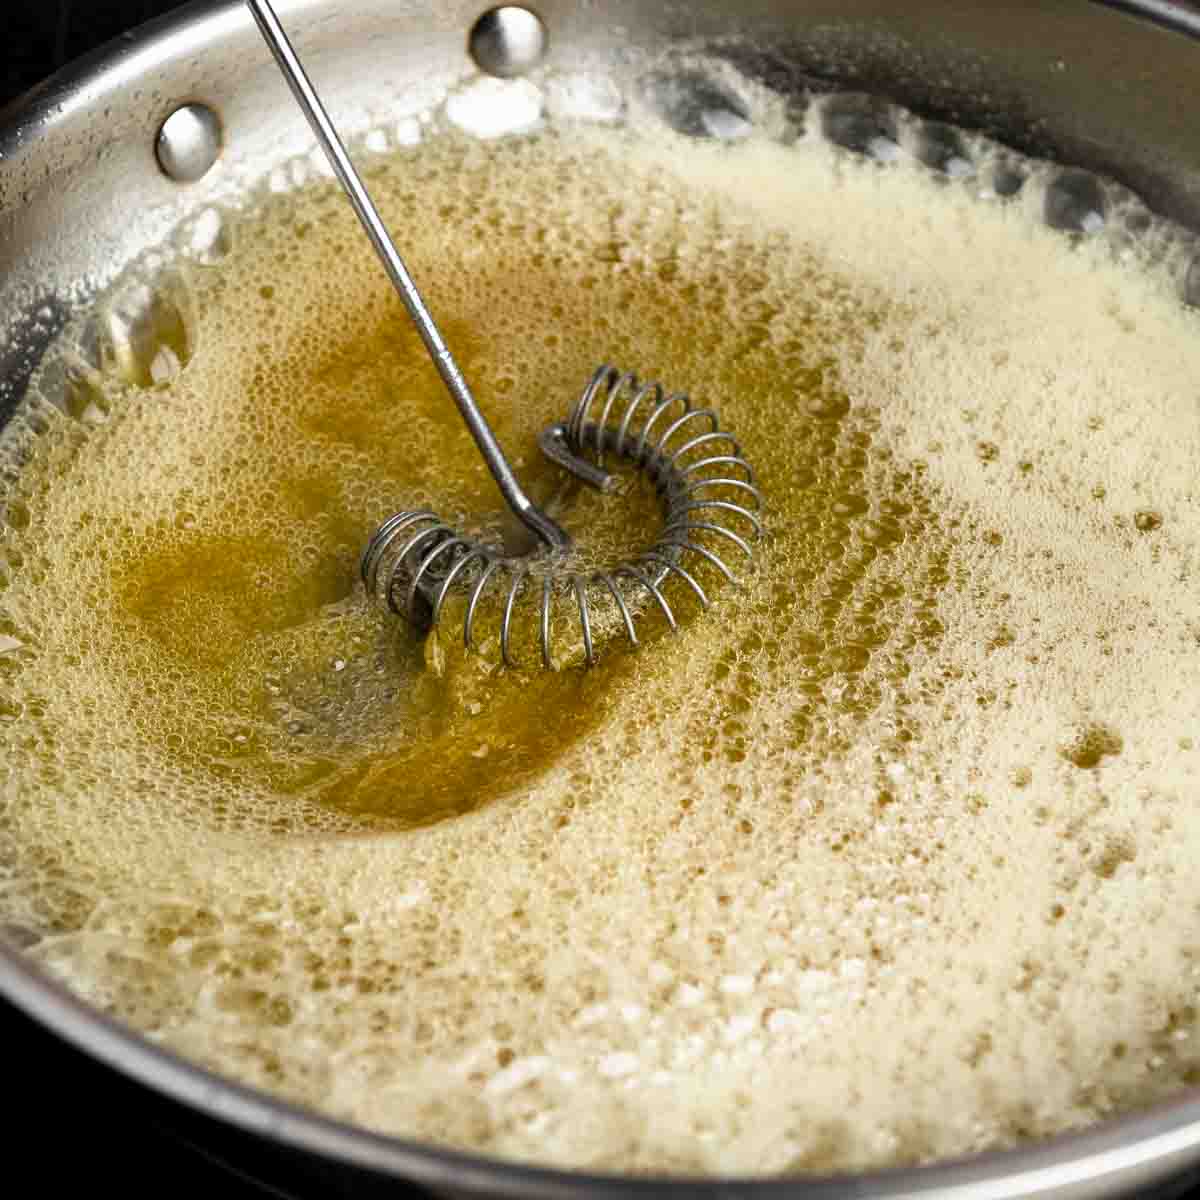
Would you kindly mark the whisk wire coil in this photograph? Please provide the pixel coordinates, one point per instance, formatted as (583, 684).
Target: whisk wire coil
(415, 560)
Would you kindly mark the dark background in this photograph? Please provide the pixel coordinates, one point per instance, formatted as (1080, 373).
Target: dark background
(38, 36)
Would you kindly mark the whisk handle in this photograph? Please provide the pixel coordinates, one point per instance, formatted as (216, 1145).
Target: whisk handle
(547, 530)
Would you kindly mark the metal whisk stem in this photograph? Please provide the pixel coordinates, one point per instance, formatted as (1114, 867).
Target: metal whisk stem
(547, 530)
(414, 559)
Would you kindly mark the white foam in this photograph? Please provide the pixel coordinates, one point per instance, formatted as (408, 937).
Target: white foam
(491, 108)
(890, 858)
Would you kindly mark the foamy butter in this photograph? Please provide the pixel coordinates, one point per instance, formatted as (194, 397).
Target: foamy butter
(890, 857)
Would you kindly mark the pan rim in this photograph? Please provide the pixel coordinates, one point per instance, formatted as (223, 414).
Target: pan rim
(1138, 1145)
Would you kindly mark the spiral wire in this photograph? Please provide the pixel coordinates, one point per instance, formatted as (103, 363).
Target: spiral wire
(414, 560)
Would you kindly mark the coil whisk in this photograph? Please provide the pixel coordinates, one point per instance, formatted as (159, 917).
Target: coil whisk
(707, 493)
(706, 490)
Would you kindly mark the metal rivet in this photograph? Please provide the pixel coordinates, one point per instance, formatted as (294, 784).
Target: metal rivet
(507, 41)
(188, 143)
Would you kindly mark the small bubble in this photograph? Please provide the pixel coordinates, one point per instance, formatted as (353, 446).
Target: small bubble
(861, 123)
(1003, 637)
(1091, 745)
(696, 106)
(851, 658)
(941, 147)
(164, 366)
(16, 513)
(206, 237)
(1008, 180)
(146, 338)
(1075, 203)
(881, 534)
(831, 407)
(850, 505)
(1116, 851)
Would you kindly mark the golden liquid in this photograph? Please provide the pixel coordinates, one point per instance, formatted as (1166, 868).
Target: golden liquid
(824, 851)
(257, 657)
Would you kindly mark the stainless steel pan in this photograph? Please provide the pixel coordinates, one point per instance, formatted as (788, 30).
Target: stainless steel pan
(90, 176)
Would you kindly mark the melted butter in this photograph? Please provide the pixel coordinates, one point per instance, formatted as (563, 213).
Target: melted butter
(876, 862)
(248, 597)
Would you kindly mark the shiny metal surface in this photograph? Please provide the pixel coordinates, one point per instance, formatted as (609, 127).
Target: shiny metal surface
(1107, 87)
(189, 143)
(507, 41)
